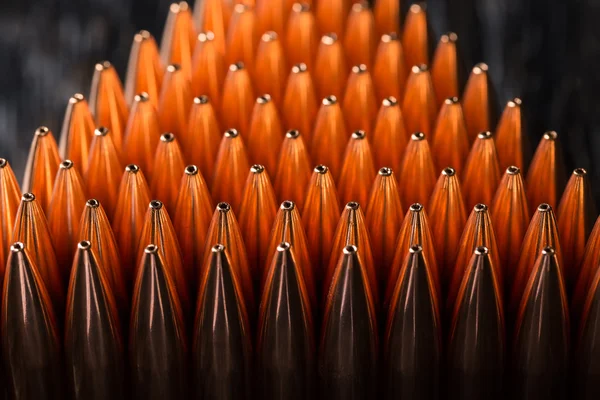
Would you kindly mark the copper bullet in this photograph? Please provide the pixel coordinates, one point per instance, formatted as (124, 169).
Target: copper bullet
(541, 351)
(348, 348)
(331, 71)
(272, 16)
(130, 214)
(32, 230)
(302, 38)
(242, 37)
(412, 348)
(482, 172)
(175, 101)
(446, 69)
(511, 139)
(77, 132)
(222, 337)
(42, 166)
(142, 133)
(102, 174)
(293, 169)
(179, 38)
(145, 70)
(94, 356)
(208, 69)
(360, 104)
(546, 176)
(360, 41)
(415, 37)
(191, 219)
(387, 17)
(320, 219)
(157, 342)
(168, 166)
(266, 134)
(68, 200)
(331, 16)
(230, 171)
(285, 342)
(212, 16)
(271, 67)
(238, 99)
(450, 133)
(384, 216)
(477, 347)
(258, 210)
(358, 170)
(479, 102)
(10, 197)
(419, 104)
(330, 136)
(30, 338)
(224, 229)
(389, 135)
(448, 218)
(389, 70)
(576, 214)
(587, 272)
(107, 101)
(417, 172)
(300, 102)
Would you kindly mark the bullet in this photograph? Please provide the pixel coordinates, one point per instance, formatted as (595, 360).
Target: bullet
(541, 351)
(360, 41)
(387, 17)
(389, 135)
(30, 338)
(94, 356)
(476, 351)
(10, 197)
(417, 171)
(213, 16)
(415, 37)
(266, 134)
(107, 101)
(68, 201)
(479, 102)
(231, 169)
(178, 38)
(412, 347)
(300, 102)
(221, 333)
(331, 71)
(481, 174)
(450, 133)
(208, 69)
(358, 170)
(360, 104)
(42, 166)
(103, 172)
(587, 272)
(419, 104)
(448, 218)
(175, 101)
(271, 68)
(320, 219)
(330, 137)
(447, 69)
(157, 342)
(77, 132)
(168, 166)
(511, 138)
(331, 16)
(272, 16)
(203, 138)
(347, 364)
(293, 169)
(238, 99)
(285, 343)
(242, 37)
(302, 38)
(142, 133)
(145, 70)
(389, 70)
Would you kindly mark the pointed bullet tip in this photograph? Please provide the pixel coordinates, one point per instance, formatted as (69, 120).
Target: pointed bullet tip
(451, 100)
(231, 133)
(101, 131)
(142, 35)
(223, 207)
(385, 171)
(449, 37)
(27, 197)
(481, 250)
(17, 247)
(238, 66)
(76, 98)
(389, 37)
(206, 36)
(156, 204)
(359, 135)
(300, 7)
(67, 164)
(84, 245)
(283, 246)
(389, 101)
(360, 6)
(516, 102)
(329, 39)
(544, 207)
(417, 8)
(299, 68)
(417, 136)
(217, 248)
(269, 36)
(167, 137)
(132, 168)
(257, 169)
(201, 99)
(292, 134)
(191, 170)
(288, 205)
(480, 207)
(173, 68)
(579, 172)
(551, 135)
(416, 207)
(548, 251)
(42, 131)
(321, 169)
(350, 249)
(241, 8)
(141, 97)
(92, 203)
(485, 135)
(102, 66)
(353, 205)
(480, 68)
(329, 100)
(512, 170)
(448, 171)
(415, 249)
(264, 99)
(417, 69)
(151, 249)
(359, 69)
(3, 162)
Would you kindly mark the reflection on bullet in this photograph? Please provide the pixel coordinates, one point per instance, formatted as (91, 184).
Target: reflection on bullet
(142, 133)
(293, 169)
(144, 70)
(266, 134)
(77, 132)
(482, 172)
(450, 133)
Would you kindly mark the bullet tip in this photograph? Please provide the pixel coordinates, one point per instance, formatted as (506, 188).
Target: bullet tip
(551, 135)
(101, 131)
(84, 245)
(481, 250)
(132, 168)
(417, 69)
(167, 137)
(142, 35)
(449, 37)
(480, 68)
(329, 100)
(191, 170)
(67, 164)
(217, 248)
(201, 99)
(92, 203)
(207, 36)
(231, 133)
(385, 171)
(292, 134)
(416, 207)
(17, 247)
(236, 67)
(579, 172)
(173, 68)
(288, 205)
(321, 169)
(141, 97)
(353, 205)
(269, 36)
(156, 204)
(415, 249)
(389, 101)
(516, 102)
(42, 131)
(449, 171)
(241, 8)
(512, 170)
(480, 207)
(389, 37)
(418, 136)
(283, 246)
(359, 69)
(28, 197)
(485, 135)
(329, 39)
(416, 8)
(350, 249)
(544, 207)
(264, 99)
(299, 68)
(76, 98)
(300, 7)
(359, 135)
(257, 169)
(360, 6)
(451, 100)
(548, 251)
(151, 249)
(223, 207)
(3, 162)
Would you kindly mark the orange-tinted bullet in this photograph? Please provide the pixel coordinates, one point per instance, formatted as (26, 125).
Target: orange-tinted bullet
(271, 68)
(360, 40)
(419, 104)
(358, 171)
(213, 16)
(320, 219)
(360, 104)
(10, 197)
(389, 136)
(68, 200)
(175, 101)
(389, 70)
(77, 132)
(168, 166)
(130, 214)
(330, 136)
(293, 169)
(415, 37)
(331, 71)
(446, 69)
(511, 139)
(387, 17)
(204, 135)
(302, 38)
(238, 99)
(142, 133)
(331, 16)
(482, 171)
(42, 166)
(300, 102)
(479, 102)
(208, 69)
(242, 37)
(145, 70)
(448, 218)
(272, 16)
(103, 172)
(266, 134)
(450, 133)
(588, 272)
(546, 176)
(107, 101)
(179, 37)
(417, 174)
(230, 171)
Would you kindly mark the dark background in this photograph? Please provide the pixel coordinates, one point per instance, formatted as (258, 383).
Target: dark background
(545, 51)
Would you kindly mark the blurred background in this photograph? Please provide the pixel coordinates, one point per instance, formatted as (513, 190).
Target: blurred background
(545, 51)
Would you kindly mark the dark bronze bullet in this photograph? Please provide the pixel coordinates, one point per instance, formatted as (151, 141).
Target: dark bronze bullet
(293, 169)
(358, 170)
(158, 358)
(93, 342)
(481, 174)
(230, 170)
(511, 138)
(285, 344)
(348, 349)
(10, 197)
(179, 37)
(208, 73)
(412, 349)
(77, 132)
(169, 164)
(145, 70)
(479, 102)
